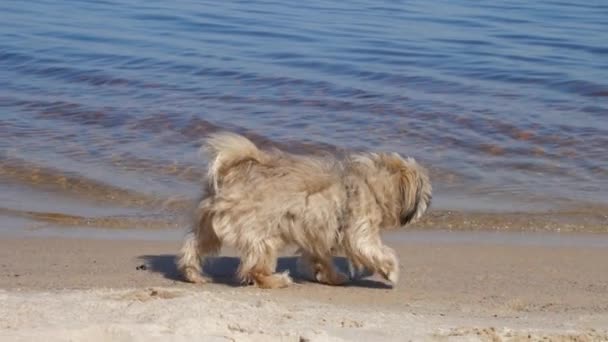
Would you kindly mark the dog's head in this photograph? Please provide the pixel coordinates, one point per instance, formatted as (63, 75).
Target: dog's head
(401, 183)
(415, 189)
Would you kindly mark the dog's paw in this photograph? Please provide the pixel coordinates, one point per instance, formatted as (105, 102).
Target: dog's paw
(274, 281)
(247, 281)
(195, 277)
(287, 280)
(391, 275)
(340, 279)
(337, 278)
(358, 271)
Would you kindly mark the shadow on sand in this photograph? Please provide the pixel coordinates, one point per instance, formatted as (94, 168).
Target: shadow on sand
(223, 268)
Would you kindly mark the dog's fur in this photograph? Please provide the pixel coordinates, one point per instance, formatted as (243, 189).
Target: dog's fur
(260, 201)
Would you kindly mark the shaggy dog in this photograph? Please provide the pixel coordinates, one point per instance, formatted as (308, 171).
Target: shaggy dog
(261, 201)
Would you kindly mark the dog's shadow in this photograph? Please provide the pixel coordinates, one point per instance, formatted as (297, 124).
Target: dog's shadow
(222, 270)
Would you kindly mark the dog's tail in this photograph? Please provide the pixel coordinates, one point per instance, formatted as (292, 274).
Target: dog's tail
(225, 150)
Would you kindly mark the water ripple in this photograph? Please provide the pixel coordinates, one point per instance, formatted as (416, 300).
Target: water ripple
(504, 97)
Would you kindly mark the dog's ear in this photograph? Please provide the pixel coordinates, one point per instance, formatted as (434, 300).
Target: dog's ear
(415, 189)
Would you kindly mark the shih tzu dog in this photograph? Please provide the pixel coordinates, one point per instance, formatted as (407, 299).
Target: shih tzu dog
(259, 201)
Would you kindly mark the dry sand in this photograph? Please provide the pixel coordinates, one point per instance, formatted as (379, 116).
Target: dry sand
(61, 289)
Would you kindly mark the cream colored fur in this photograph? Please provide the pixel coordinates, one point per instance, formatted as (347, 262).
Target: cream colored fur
(261, 201)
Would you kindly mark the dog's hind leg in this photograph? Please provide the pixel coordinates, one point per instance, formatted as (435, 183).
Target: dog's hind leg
(323, 269)
(258, 264)
(189, 261)
(200, 242)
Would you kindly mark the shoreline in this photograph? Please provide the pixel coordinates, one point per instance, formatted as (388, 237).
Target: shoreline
(449, 290)
(167, 225)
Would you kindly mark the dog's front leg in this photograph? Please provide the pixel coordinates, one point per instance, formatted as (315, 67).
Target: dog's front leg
(365, 248)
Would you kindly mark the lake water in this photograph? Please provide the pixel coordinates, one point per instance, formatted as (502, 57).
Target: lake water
(107, 101)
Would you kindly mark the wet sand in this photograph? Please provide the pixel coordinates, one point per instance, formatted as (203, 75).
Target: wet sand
(451, 289)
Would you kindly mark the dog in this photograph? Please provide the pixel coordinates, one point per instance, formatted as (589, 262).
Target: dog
(262, 200)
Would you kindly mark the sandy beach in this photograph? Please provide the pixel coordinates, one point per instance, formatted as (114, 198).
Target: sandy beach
(471, 289)
(105, 105)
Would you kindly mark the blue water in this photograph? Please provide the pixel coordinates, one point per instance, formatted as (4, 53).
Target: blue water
(505, 101)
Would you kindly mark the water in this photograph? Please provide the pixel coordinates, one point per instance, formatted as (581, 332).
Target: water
(106, 102)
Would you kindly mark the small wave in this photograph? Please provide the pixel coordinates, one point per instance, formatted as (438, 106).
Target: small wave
(113, 222)
(75, 185)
